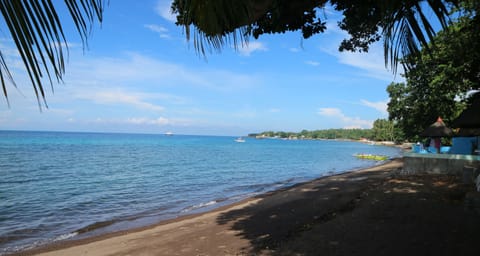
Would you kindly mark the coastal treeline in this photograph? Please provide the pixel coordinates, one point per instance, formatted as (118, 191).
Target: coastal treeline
(383, 130)
(352, 134)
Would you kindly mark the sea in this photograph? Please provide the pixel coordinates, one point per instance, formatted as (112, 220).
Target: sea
(57, 186)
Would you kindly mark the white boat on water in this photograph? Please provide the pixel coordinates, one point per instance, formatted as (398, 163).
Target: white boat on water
(240, 139)
(169, 133)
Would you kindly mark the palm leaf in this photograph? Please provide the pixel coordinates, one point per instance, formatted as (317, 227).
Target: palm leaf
(38, 36)
(217, 23)
(407, 29)
(5, 72)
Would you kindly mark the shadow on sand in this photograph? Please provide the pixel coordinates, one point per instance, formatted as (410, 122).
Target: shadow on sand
(360, 213)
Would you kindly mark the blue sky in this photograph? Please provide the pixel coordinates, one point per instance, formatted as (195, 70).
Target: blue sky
(140, 75)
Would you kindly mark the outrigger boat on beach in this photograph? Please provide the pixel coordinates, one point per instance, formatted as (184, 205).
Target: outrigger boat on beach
(372, 157)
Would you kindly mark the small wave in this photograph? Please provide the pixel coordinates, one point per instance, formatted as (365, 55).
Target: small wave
(96, 225)
(65, 236)
(262, 187)
(200, 205)
(35, 244)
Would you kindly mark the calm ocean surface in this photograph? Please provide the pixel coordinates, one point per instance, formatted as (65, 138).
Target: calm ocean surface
(57, 185)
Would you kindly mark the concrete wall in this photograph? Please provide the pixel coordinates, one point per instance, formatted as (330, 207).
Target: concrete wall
(438, 163)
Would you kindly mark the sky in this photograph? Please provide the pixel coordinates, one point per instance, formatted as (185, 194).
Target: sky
(139, 74)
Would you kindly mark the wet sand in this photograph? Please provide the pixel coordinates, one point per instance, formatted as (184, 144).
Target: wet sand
(372, 211)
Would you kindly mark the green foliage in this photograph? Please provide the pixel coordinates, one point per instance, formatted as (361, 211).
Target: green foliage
(387, 130)
(403, 24)
(350, 134)
(440, 77)
(383, 130)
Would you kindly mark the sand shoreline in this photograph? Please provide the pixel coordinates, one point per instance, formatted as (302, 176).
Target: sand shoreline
(242, 203)
(268, 224)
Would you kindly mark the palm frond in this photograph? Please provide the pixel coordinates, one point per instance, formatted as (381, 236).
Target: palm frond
(38, 35)
(217, 23)
(407, 28)
(84, 13)
(4, 71)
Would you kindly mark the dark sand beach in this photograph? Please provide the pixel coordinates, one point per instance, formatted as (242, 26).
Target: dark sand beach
(367, 212)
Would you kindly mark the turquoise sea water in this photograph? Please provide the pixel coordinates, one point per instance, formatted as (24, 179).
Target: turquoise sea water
(58, 185)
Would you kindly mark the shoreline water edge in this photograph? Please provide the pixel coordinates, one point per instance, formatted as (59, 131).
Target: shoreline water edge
(69, 242)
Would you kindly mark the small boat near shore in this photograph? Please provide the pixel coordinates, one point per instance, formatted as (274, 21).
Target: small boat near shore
(372, 157)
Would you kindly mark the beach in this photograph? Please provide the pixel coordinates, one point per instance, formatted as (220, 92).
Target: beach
(369, 211)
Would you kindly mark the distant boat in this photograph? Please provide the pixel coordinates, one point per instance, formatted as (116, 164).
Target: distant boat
(240, 139)
(169, 133)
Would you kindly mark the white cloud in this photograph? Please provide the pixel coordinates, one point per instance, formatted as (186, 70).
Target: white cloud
(333, 28)
(142, 121)
(330, 112)
(380, 106)
(162, 31)
(11, 55)
(5, 115)
(58, 111)
(371, 63)
(156, 28)
(163, 9)
(119, 97)
(346, 121)
(137, 68)
(312, 63)
(247, 49)
(294, 49)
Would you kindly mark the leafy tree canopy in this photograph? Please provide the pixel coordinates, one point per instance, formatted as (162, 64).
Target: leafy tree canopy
(403, 24)
(439, 80)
